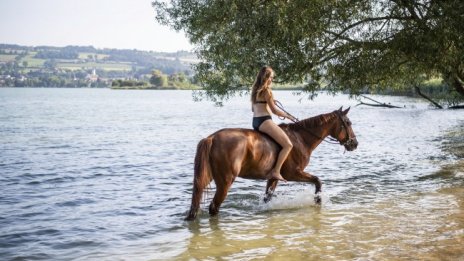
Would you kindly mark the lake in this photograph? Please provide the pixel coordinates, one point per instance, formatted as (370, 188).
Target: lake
(98, 174)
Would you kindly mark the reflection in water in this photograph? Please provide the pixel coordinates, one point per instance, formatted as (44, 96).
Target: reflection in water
(235, 239)
(421, 226)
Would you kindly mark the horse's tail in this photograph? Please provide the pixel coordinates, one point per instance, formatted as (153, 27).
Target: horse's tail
(202, 175)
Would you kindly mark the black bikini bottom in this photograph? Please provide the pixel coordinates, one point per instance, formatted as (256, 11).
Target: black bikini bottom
(257, 121)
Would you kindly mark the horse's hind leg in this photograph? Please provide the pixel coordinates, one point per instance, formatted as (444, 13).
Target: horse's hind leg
(270, 188)
(221, 192)
(224, 175)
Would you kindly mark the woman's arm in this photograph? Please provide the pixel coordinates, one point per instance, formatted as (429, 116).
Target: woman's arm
(270, 101)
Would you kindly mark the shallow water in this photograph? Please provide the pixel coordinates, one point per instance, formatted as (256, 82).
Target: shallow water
(102, 175)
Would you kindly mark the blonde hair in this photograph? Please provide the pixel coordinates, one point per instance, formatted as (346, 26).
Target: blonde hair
(261, 83)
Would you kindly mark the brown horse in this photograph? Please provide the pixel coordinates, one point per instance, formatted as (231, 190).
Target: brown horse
(230, 153)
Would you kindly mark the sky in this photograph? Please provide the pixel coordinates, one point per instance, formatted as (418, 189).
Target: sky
(120, 24)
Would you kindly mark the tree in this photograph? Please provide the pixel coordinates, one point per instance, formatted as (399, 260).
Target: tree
(159, 79)
(50, 64)
(178, 77)
(327, 44)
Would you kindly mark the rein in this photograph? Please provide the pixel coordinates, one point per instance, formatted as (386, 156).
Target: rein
(330, 141)
(281, 107)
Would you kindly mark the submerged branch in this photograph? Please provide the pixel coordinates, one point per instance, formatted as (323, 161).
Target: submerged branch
(456, 107)
(376, 104)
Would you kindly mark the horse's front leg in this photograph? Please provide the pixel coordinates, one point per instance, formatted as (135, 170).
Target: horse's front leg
(270, 188)
(306, 177)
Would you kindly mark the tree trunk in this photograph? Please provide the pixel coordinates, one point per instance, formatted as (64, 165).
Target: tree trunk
(458, 84)
(418, 90)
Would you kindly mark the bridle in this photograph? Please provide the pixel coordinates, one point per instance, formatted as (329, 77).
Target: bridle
(347, 142)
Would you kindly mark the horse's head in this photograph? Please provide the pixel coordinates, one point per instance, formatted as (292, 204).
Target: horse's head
(343, 131)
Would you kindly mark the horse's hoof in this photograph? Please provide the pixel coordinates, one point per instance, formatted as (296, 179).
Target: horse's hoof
(318, 199)
(189, 218)
(268, 198)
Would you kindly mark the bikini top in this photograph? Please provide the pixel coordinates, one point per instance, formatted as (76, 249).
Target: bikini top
(261, 102)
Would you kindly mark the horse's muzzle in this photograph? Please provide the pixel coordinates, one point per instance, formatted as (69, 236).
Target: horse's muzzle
(351, 144)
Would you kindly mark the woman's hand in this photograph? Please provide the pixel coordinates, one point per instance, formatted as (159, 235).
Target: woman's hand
(290, 117)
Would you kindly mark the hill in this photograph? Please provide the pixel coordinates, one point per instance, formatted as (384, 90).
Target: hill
(86, 66)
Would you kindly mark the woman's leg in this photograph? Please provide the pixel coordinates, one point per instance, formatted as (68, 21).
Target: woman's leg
(270, 128)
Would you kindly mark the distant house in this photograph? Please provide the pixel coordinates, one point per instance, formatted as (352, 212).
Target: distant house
(92, 77)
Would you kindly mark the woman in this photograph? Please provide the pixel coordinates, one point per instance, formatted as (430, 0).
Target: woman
(262, 105)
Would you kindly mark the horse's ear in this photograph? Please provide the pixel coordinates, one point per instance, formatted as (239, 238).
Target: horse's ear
(345, 112)
(341, 108)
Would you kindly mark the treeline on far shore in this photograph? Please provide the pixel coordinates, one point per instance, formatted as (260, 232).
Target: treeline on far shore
(85, 66)
(158, 81)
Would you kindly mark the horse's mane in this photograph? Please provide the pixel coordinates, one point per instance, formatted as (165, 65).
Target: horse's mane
(312, 122)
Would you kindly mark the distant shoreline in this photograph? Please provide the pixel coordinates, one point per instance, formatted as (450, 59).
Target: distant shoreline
(142, 88)
(100, 88)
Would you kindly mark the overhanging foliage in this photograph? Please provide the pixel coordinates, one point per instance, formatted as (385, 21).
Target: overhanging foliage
(327, 44)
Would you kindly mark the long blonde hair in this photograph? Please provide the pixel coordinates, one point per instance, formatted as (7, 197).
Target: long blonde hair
(261, 83)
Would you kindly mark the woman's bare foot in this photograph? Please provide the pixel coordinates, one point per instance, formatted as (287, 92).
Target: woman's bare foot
(275, 175)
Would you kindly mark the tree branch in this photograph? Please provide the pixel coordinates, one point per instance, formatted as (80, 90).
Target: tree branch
(373, 19)
(418, 90)
(367, 20)
(458, 84)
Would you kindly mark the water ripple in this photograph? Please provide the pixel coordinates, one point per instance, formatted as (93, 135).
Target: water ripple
(96, 174)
